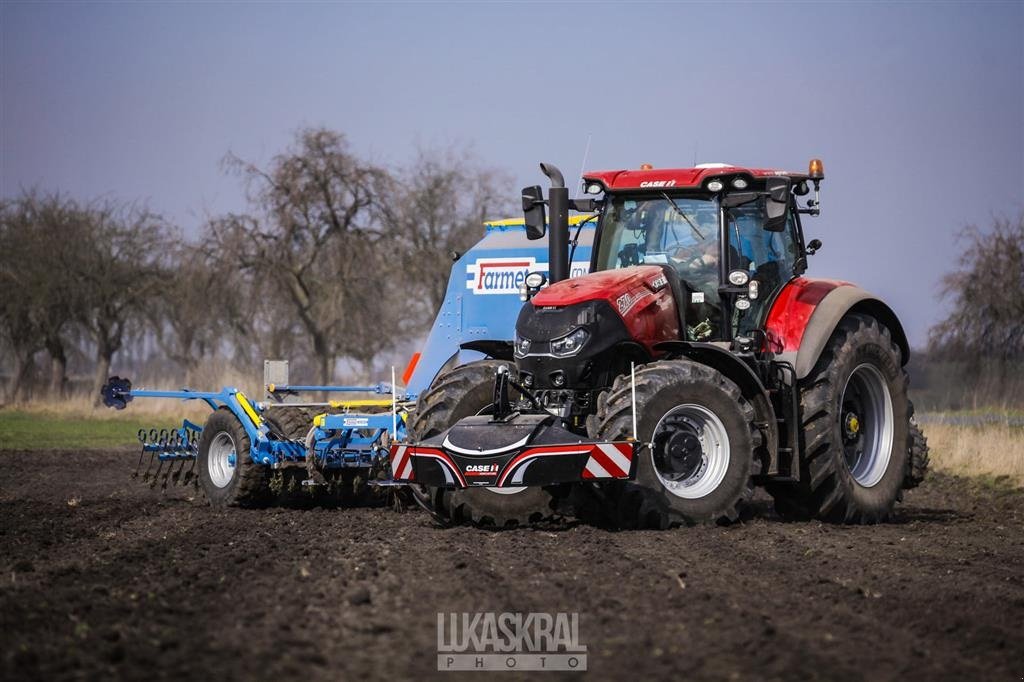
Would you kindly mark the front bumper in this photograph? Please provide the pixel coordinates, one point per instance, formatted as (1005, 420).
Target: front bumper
(479, 452)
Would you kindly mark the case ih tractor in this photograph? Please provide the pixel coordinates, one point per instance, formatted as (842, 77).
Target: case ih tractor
(693, 363)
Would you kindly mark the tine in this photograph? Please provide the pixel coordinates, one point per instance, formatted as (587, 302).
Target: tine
(142, 453)
(156, 475)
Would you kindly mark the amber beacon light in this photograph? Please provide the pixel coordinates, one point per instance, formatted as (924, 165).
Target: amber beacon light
(816, 169)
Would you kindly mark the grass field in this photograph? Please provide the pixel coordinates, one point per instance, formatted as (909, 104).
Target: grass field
(991, 450)
(44, 430)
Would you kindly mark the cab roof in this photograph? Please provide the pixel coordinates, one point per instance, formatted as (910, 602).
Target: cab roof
(696, 177)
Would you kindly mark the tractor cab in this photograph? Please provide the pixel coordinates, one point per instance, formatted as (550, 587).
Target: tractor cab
(731, 237)
(707, 247)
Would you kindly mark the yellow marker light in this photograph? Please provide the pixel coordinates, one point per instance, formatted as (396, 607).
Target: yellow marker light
(816, 169)
(646, 166)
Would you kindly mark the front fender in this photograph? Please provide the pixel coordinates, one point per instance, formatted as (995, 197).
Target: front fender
(807, 311)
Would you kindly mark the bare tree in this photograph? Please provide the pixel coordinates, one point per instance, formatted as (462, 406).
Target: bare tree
(987, 292)
(313, 224)
(42, 235)
(438, 207)
(118, 272)
(195, 307)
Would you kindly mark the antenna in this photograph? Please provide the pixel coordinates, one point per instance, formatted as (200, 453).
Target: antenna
(583, 165)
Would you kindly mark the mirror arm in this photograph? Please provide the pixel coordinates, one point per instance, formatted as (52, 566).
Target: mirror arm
(584, 205)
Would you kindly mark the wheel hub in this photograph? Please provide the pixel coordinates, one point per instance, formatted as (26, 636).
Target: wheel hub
(851, 425)
(690, 451)
(866, 424)
(682, 455)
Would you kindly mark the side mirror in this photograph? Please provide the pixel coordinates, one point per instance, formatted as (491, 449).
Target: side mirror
(777, 203)
(533, 212)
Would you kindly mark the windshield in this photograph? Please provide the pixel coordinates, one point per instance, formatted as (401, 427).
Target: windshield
(675, 231)
(683, 231)
(678, 231)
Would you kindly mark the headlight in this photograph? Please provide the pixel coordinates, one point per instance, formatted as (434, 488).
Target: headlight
(569, 344)
(535, 280)
(738, 278)
(522, 346)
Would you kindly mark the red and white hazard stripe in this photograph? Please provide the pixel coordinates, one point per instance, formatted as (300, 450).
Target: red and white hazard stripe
(609, 460)
(401, 463)
(402, 467)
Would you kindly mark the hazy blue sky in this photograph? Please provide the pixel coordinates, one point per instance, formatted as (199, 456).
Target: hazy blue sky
(917, 109)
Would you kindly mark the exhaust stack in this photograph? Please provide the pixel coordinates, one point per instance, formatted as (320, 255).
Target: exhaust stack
(558, 238)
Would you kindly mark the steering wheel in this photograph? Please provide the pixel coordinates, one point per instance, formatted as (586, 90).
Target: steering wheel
(690, 258)
(629, 255)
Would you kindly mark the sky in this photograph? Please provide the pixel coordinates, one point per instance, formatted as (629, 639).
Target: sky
(917, 109)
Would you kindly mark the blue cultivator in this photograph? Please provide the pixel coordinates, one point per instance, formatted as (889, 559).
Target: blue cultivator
(278, 435)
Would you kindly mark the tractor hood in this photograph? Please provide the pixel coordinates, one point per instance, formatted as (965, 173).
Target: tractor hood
(622, 289)
(574, 331)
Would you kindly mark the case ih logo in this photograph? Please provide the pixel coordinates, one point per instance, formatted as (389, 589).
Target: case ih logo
(506, 275)
(481, 469)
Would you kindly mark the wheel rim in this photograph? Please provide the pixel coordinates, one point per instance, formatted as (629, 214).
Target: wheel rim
(220, 460)
(690, 451)
(866, 424)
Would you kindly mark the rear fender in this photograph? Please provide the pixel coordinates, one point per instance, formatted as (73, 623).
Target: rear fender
(807, 312)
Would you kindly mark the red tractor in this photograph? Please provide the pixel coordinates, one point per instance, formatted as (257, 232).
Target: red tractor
(694, 363)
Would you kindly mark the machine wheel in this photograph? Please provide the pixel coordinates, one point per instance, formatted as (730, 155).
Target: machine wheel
(917, 467)
(854, 450)
(702, 445)
(292, 422)
(227, 474)
(463, 392)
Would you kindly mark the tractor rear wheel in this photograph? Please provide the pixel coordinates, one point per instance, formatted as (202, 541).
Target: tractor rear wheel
(702, 451)
(917, 467)
(855, 435)
(227, 474)
(455, 394)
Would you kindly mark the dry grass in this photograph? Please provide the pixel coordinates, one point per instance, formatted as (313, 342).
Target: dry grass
(990, 450)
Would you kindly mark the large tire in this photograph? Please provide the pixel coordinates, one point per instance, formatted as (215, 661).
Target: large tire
(854, 444)
(244, 484)
(917, 466)
(463, 392)
(292, 422)
(703, 447)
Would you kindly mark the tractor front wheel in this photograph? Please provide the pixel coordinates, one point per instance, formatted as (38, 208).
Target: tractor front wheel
(701, 445)
(227, 474)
